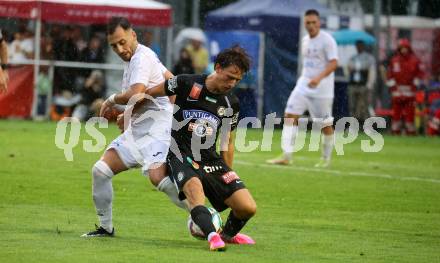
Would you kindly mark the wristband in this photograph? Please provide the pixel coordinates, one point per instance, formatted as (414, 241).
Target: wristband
(111, 99)
(4, 66)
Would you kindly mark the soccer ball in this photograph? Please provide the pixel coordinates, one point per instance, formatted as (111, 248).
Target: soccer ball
(195, 229)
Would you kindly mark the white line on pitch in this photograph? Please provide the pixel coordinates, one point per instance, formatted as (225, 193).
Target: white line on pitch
(337, 172)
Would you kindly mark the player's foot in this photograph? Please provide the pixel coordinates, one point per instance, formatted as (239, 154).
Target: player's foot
(280, 160)
(216, 243)
(99, 232)
(241, 239)
(323, 163)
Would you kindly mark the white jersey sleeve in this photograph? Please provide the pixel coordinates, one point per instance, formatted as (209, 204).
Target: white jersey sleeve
(331, 49)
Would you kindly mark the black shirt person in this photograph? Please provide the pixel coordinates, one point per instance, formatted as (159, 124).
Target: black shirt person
(206, 109)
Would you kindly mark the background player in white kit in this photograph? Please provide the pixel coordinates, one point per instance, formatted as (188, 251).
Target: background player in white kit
(146, 141)
(314, 90)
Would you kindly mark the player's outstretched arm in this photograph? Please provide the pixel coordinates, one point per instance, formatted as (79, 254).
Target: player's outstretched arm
(157, 91)
(122, 98)
(227, 153)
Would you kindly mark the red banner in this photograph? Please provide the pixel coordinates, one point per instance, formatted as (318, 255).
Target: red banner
(18, 9)
(82, 12)
(87, 14)
(17, 101)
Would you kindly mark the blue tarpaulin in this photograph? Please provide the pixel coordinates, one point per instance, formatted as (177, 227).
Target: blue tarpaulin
(280, 20)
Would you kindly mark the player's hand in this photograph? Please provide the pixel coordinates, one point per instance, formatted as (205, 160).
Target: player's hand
(120, 122)
(106, 106)
(314, 82)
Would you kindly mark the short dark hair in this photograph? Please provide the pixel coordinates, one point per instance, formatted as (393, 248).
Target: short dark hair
(312, 12)
(235, 55)
(114, 22)
(360, 42)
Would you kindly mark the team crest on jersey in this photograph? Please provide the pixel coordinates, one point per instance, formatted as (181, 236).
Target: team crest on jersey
(221, 111)
(200, 128)
(180, 176)
(195, 92)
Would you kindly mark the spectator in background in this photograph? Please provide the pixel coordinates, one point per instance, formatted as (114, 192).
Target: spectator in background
(64, 49)
(148, 41)
(362, 76)
(91, 96)
(4, 77)
(403, 77)
(47, 48)
(94, 52)
(184, 64)
(199, 55)
(78, 39)
(22, 47)
(44, 85)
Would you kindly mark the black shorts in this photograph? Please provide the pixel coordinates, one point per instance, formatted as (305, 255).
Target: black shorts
(218, 180)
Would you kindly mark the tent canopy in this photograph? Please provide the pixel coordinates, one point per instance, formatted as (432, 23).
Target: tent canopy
(269, 7)
(139, 12)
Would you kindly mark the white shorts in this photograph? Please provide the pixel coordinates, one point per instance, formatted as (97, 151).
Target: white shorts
(144, 143)
(299, 103)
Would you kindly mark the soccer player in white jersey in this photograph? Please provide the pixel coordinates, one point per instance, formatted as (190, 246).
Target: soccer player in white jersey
(314, 90)
(146, 141)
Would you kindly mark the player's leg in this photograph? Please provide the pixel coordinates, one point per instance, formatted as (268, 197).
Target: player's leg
(321, 111)
(296, 106)
(352, 100)
(159, 178)
(200, 214)
(409, 111)
(191, 187)
(243, 207)
(103, 171)
(396, 123)
(154, 153)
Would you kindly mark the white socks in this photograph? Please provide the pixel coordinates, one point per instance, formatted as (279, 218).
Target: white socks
(328, 141)
(288, 137)
(167, 186)
(103, 194)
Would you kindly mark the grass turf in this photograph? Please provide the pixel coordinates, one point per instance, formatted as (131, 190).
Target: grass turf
(368, 207)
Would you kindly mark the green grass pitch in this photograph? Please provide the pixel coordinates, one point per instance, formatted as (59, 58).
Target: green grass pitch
(368, 207)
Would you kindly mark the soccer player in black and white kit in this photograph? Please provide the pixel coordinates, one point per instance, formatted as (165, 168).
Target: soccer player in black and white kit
(206, 109)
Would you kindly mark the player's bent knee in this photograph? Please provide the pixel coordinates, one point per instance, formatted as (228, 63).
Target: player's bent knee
(101, 169)
(246, 209)
(157, 174)
(249, 210)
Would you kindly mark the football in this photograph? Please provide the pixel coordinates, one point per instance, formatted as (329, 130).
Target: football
(195, 230)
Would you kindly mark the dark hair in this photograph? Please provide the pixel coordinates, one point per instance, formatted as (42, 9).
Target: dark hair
(312, 12)
(235, 55)
(114, 22)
